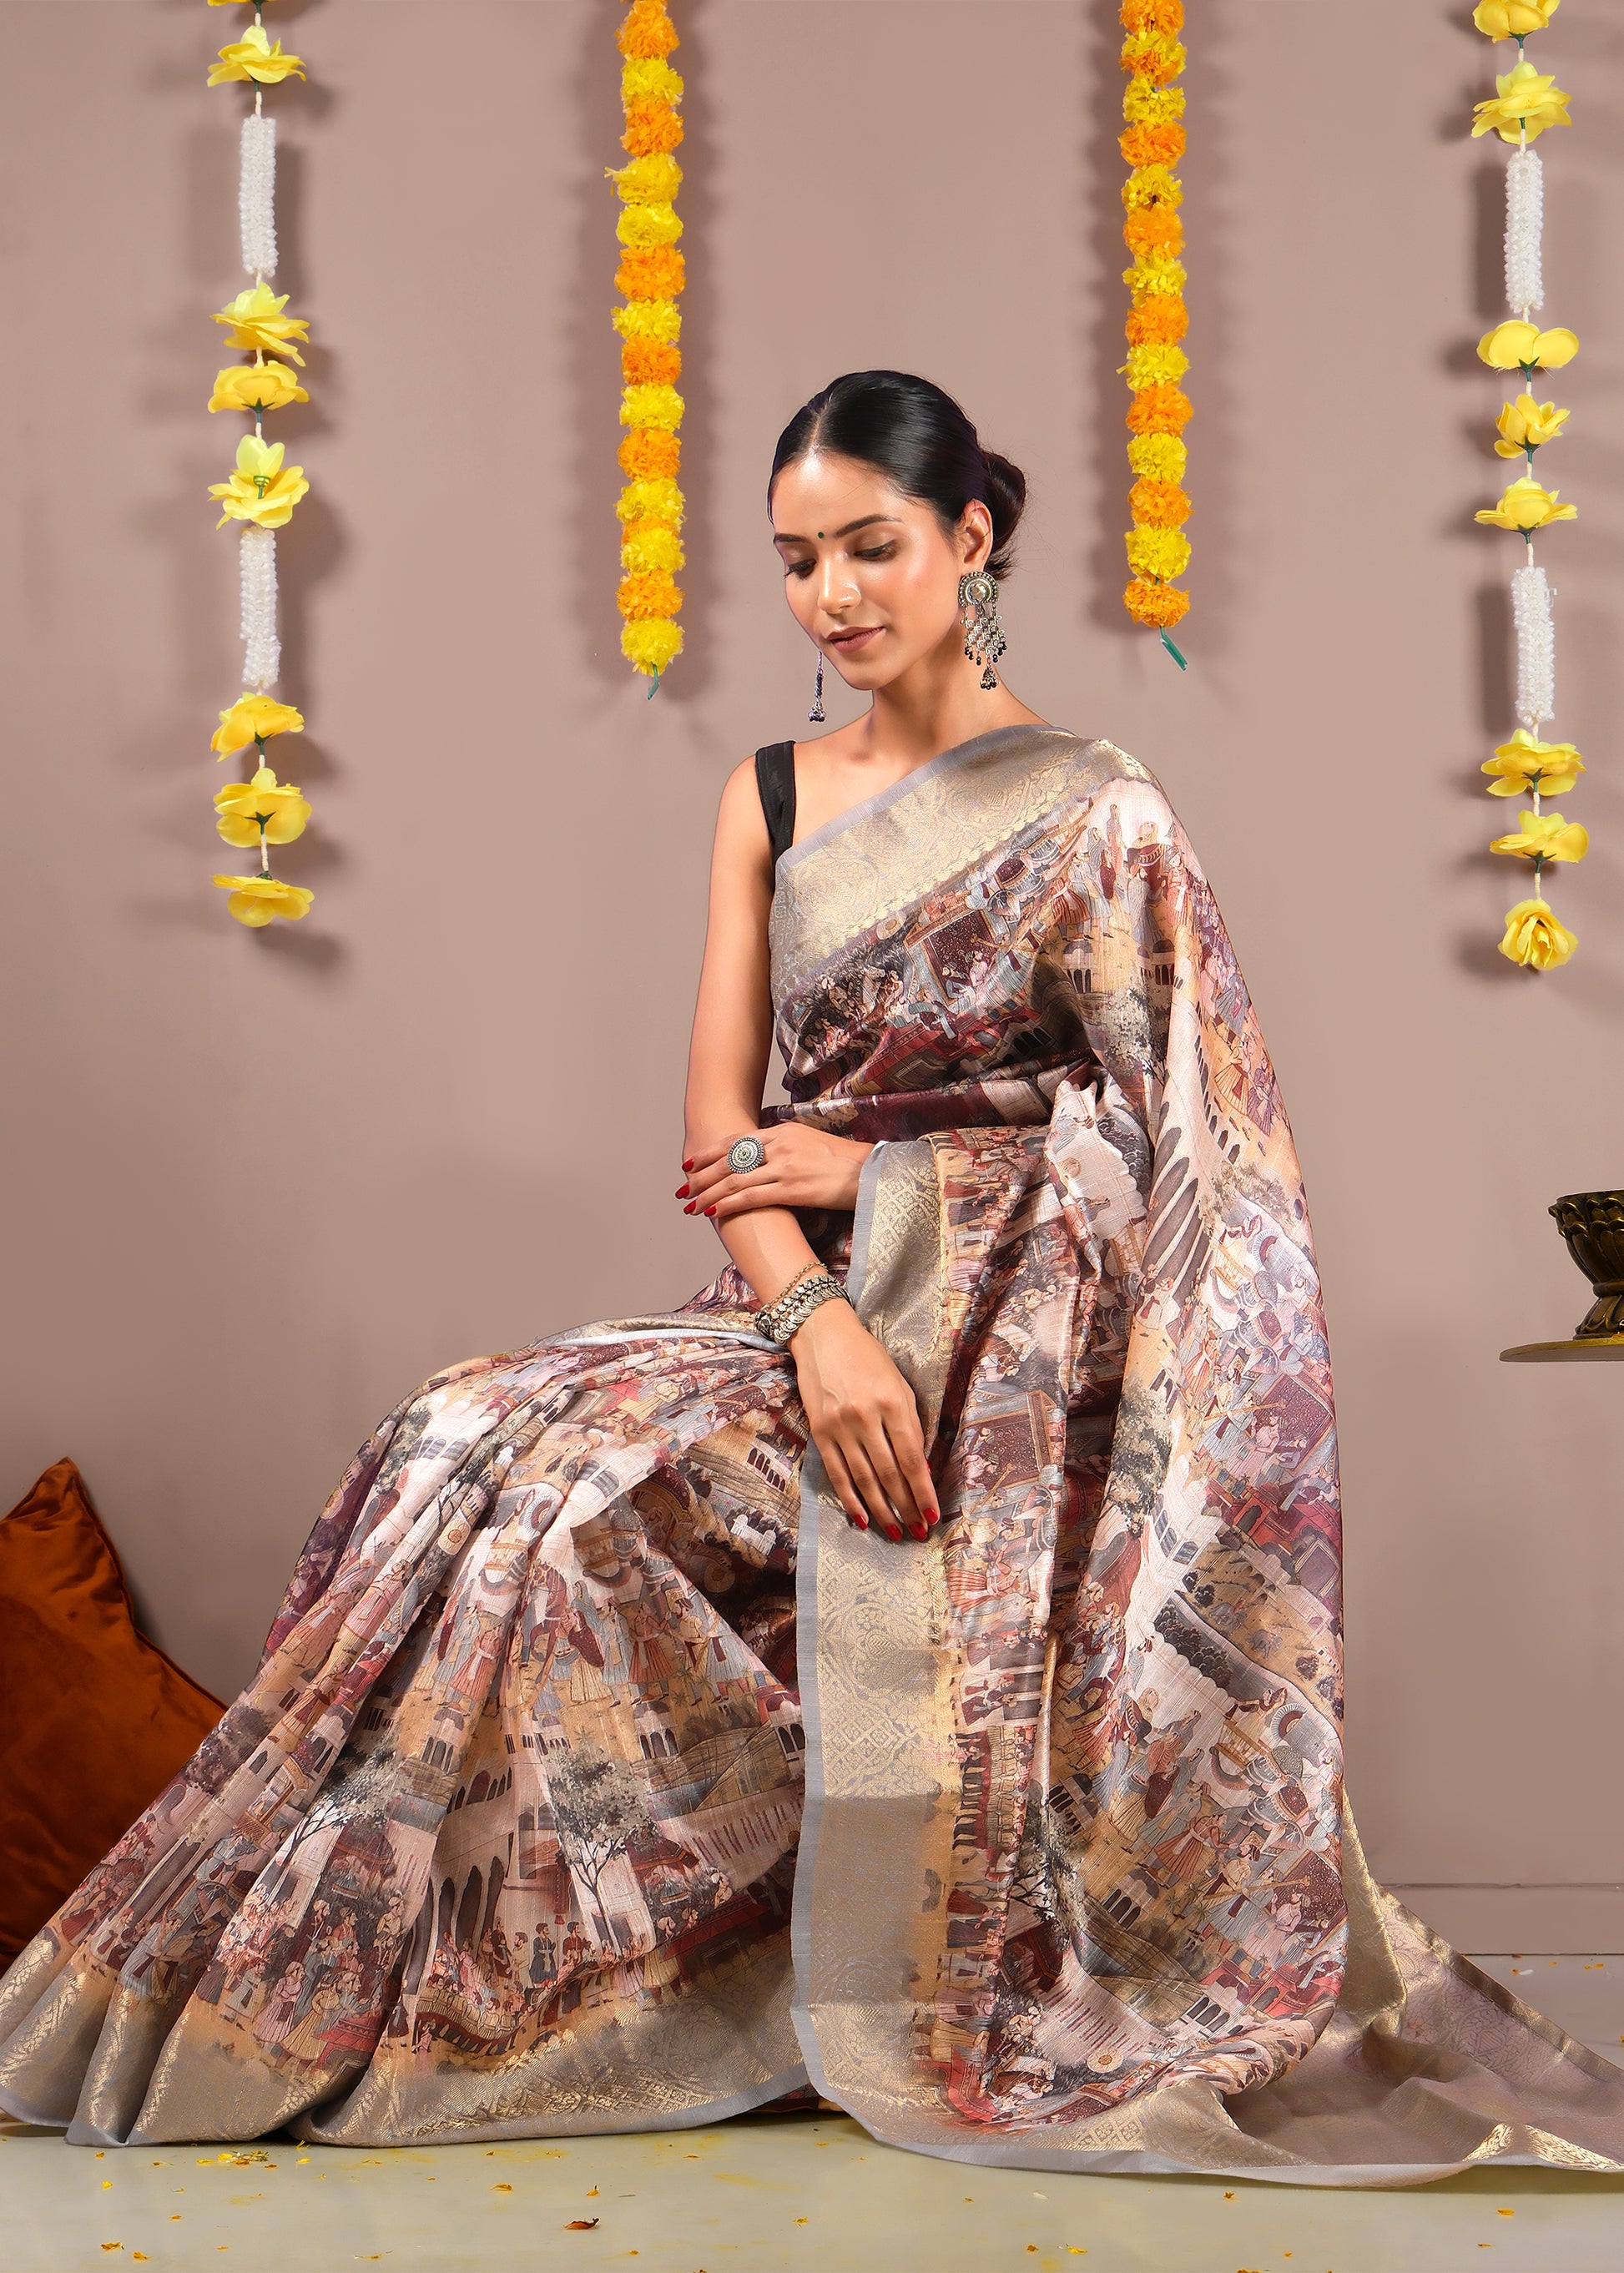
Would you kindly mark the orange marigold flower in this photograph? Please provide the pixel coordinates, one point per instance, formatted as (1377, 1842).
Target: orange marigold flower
(1152, 229)
(1153, 146)
(647, 30)
(1151, 15)
(1159, 410)
(654, 593)
(649, 272)
(651, 128)
(650, 363)
(1151, 55)
(1158, 321)
(1158, 504)
(648, 453)
(1152, 604)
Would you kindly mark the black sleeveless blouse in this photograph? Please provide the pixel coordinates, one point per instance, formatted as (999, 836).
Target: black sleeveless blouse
(775, 781)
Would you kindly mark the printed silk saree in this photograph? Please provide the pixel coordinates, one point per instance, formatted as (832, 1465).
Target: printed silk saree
(598, 1777)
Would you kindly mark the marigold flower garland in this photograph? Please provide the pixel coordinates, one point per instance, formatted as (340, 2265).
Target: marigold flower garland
(650, 277)
(260, 494)
(1524, 103)
(1158, 549)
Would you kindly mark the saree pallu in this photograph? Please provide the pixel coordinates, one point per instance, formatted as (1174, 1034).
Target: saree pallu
(598, 1777)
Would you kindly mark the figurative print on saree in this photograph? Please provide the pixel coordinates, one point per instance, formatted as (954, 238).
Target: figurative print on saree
(506, 1838)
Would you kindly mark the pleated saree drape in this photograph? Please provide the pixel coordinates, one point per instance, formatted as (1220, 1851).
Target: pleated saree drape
(507, 1836)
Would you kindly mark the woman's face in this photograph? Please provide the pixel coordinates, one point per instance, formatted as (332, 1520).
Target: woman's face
(871, 575)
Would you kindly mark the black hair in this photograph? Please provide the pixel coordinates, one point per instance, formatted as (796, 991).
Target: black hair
(915, 434)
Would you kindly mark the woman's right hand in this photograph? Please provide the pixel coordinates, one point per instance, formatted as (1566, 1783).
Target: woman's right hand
(865, 1422)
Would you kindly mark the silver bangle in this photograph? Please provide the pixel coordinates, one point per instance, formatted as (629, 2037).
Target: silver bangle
(781, 1320)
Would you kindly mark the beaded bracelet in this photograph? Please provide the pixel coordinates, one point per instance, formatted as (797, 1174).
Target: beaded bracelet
(781, 1320)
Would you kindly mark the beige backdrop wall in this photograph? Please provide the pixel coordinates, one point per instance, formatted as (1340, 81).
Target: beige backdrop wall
(258, 1185)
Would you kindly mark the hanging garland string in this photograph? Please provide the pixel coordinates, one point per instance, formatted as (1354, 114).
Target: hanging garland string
(1158, 549)
(260, 494)
(651, 278)
(1524, 103)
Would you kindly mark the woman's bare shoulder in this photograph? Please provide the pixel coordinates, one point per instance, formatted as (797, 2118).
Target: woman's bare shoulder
(740, 824)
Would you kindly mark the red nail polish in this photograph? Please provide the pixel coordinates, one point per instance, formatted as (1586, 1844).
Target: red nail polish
(688, 1167)
(858, 1522)
(895, 1537)
(922, 1532)
(688, 1210)
(681, 1191)
(709, 1211)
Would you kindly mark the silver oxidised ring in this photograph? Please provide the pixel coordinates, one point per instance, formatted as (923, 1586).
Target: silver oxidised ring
(746, 1153)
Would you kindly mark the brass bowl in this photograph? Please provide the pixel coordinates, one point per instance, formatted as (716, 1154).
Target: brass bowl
(1592, 1224)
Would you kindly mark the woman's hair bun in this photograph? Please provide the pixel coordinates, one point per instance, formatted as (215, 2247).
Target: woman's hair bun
(1006, 501)
(913, 432)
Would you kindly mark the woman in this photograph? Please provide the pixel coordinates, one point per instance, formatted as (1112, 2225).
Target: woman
(987, 1498)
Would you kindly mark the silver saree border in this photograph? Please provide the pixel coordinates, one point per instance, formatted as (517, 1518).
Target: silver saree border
(1393, 2068)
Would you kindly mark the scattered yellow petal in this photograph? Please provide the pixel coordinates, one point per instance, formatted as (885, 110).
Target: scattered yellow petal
(502, 2187)
(107, 2182)
(801, 2221)
(1229, 2193)
(1505, 2213)
(590, 2192)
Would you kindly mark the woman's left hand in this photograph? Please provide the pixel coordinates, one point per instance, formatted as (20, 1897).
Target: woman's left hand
(804, 1169)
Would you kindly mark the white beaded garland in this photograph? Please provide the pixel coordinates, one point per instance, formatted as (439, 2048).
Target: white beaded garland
(1524, 220)
(256, 194)
(261, 648)
(1530, 604)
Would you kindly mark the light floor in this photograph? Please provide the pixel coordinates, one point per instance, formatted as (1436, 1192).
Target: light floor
(769, 2194)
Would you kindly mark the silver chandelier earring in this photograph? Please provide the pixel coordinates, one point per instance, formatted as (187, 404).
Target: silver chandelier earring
(816, 714)
(978, 611)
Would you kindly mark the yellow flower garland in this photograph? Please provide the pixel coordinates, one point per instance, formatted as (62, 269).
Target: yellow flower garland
(260, 494)
(1525, 104)
(649, 277)
(1153, 142)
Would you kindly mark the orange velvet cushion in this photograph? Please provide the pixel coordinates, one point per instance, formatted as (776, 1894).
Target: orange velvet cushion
(94, 1719)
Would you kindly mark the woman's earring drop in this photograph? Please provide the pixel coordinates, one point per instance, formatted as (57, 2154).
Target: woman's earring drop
(816, 714)
(978, 611)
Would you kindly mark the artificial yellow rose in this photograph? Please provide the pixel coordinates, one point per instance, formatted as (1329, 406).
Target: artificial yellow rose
(1515, 345)
(252, 57)
(1533, 935)
(256, 320)
(1546, 836)
(1524, 425)
(253, 718)
(255, 387)
(262, 489)
(258, 900)
(1513, 20)
(251, 809)
(1527, 99)
(1525, 763)
(1526, 506)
